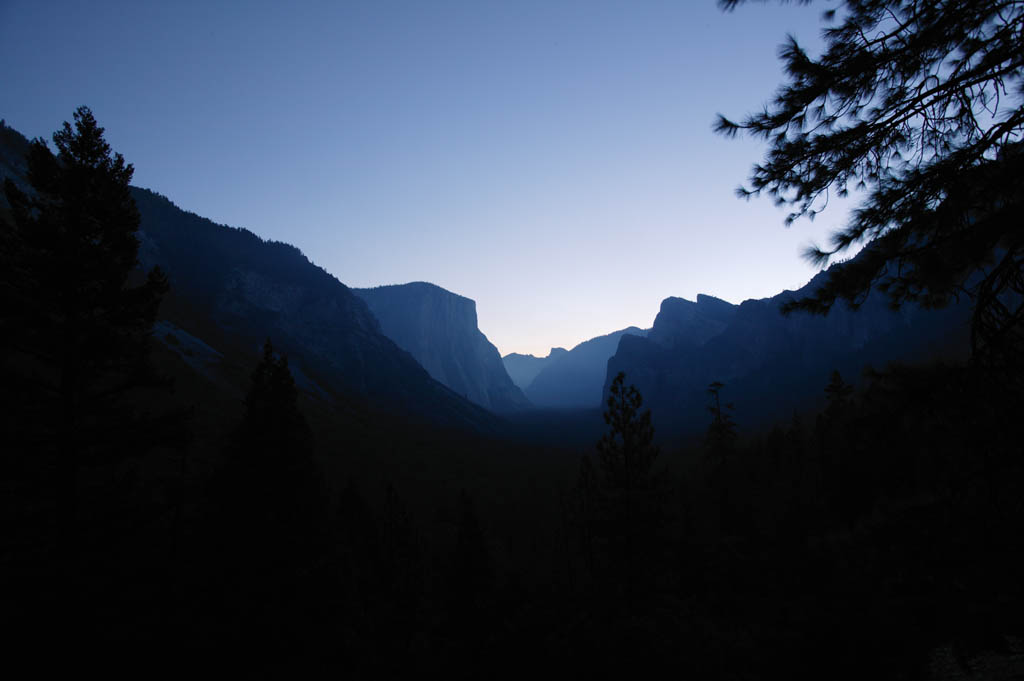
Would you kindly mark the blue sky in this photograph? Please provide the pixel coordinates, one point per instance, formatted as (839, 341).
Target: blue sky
(554, 161)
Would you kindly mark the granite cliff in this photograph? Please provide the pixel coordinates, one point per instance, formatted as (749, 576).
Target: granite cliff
(771, 364)
(232, 289)
(439, 328)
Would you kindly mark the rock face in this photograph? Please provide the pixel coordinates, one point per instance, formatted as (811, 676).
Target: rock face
(682, 322)
(771, 364)
(574, 379)
(439, 328)
(522, 369)
(232, 289)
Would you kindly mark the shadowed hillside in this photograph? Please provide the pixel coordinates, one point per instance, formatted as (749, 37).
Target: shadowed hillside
(773, 364)
(522, 369)
(574, 380)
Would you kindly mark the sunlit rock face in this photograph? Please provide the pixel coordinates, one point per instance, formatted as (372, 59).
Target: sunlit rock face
(772, 365)
(574, 379)
(439, 328)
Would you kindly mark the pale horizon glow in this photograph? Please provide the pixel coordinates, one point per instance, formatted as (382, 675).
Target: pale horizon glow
(553, 161)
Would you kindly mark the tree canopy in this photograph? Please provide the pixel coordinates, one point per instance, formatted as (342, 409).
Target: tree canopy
(919, 105)
(76, 329)
(627, 451)
(68, 253)
(75, 332)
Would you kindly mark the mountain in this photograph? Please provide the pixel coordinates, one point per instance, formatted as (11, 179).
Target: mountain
(522, 369)
(682, 322)
(231, 290)
(574, 379)
(771, 364)
(234, 284)
(439, 328)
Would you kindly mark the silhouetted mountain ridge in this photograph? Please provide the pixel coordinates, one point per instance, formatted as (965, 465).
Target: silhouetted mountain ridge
(522, 369)
(575, 379)
(682, 321)
(231, 290)
(771, 364)
(238, 287)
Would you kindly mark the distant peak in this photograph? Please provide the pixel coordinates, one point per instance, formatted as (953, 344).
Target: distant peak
(704, 299)
(421, 287)
(519, 354)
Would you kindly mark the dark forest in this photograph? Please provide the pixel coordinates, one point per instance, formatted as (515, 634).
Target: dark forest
(217, 459)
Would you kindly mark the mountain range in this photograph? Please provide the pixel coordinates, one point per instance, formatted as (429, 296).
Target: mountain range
(568, 379)
(522, 369)
(773, 365)
(415, 351)
(232, 290)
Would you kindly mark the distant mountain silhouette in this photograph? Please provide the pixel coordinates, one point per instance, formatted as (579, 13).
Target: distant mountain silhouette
(231, 290)
(439, 328)
(522, 369)
(772, 364)
(574, 379)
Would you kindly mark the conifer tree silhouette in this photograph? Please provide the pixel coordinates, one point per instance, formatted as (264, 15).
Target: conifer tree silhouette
(626, 452)
(272, 515)
(721, 434)
(271, 473)
(75, 333)
(918, 105)
(629, 510)
(472, 568)
(837, 392)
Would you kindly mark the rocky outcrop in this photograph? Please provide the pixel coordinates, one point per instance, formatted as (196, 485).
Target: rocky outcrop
(439, 328)
(682, 322)
(232, 289)
(522, 369)
(772, 364)
(575, 378)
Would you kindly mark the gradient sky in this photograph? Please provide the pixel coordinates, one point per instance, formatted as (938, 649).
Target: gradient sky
(554, 161)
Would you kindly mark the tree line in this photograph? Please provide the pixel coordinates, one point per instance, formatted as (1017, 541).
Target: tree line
(861, 541)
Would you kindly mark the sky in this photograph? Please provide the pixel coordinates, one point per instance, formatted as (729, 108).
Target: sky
(553, 161)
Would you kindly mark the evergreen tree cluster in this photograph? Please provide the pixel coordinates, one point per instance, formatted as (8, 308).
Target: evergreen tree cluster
(864, 544)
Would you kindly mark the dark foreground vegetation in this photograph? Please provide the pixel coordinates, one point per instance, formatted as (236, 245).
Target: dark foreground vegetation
(154, 528)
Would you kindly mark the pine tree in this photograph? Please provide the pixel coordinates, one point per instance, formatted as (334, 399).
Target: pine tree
(920, 105)
(725, 471)
(721, 435)
(838, 393)
(75, 332)
(272, 516)
(629, 511)
(271, 475)
(272, 426)
(587, 509)
(843, 468)
(472, 575)
(626, 452)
